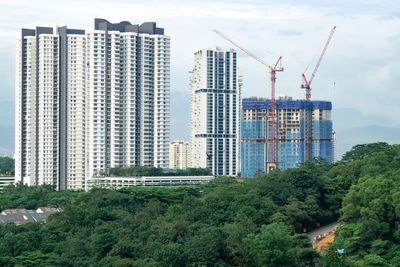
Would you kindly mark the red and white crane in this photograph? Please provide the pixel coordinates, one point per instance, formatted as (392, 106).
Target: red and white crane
(271, 162)
(306, 84)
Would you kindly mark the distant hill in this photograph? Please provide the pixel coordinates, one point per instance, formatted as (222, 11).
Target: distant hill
(348, 118)
(346, 139)
(353, 127)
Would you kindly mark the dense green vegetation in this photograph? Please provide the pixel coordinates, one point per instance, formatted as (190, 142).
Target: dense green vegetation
(225, 223)
(6, 166)
(364, 150)
(152, 171)
(371, 212)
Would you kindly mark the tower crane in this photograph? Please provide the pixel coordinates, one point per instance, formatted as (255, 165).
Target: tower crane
(306, 84)
(271, 162)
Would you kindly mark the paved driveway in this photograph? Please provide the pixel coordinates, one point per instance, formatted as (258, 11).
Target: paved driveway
(323, 230)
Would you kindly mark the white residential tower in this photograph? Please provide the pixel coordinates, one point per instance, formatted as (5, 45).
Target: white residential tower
(215, 111)
(128, 96)
(86, 103)
(49, 117)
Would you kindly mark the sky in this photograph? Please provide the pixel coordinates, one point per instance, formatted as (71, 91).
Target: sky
(360, 69)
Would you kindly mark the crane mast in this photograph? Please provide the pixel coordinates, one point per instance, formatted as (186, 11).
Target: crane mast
(271, 162)
(306, 84)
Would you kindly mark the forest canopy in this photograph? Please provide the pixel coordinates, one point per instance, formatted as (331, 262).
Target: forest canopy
(258, 222)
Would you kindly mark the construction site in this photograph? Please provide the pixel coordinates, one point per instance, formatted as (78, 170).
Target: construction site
(283, 133)
(304, 132)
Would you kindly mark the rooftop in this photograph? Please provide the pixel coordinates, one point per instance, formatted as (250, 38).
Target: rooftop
(126, 26)
(21, 216)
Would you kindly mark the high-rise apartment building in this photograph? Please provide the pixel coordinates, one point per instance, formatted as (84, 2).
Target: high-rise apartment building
(180, 156)
(49, 132)
(304, 132)
(128, 96)
(88, 102)
(215, 111)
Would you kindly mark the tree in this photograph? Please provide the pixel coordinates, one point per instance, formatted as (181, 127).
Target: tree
(6, 166)
(256, 222)
(205, 246)
(272, 247)
(362, 151)
(374, 261)
(36, 258)
(172, 255)
(333, 259)
(370, 204)
(371, 234)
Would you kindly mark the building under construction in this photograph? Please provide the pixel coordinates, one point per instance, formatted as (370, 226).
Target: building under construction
(303, 132)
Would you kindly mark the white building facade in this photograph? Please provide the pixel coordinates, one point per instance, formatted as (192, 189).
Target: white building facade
(116, 182)
(180, 156)
(128, 97)
(50, 73)
(215, 112)
(86, 103)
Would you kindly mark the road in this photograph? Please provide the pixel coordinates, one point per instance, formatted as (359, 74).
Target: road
(323, 230)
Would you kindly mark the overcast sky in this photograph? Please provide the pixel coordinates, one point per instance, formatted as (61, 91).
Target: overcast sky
(360, 70)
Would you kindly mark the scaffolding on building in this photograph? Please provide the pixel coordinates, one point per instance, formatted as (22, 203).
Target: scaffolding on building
(303, 130)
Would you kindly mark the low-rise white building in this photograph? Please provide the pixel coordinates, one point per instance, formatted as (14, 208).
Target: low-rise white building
(121, 182)
(6, 181)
